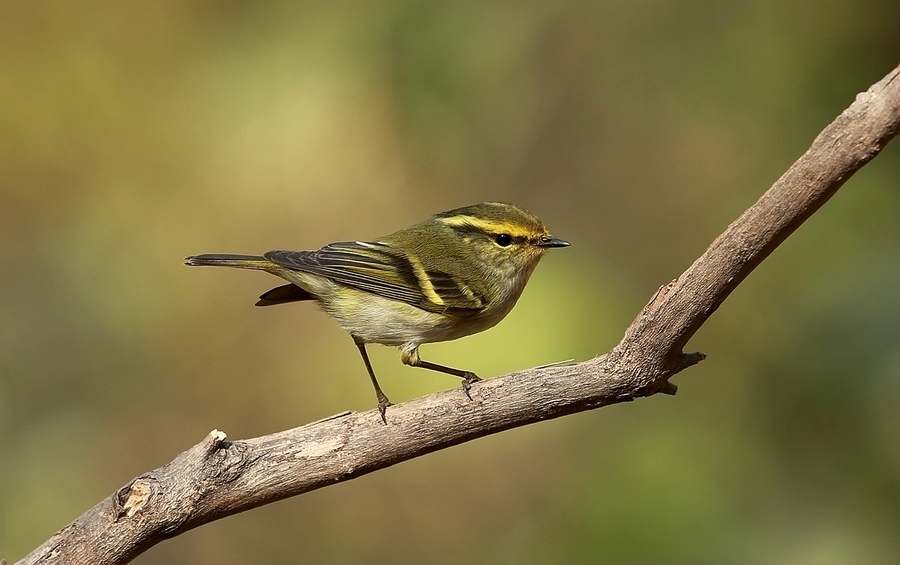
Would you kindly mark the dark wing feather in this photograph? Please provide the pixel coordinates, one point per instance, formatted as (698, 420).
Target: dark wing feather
(380, 269)
(283, 294)
(457, 296)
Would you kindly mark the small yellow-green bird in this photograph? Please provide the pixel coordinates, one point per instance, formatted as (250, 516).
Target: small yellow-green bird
(455, 274)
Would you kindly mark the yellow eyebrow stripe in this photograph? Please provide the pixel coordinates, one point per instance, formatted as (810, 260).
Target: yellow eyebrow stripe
(486, 226)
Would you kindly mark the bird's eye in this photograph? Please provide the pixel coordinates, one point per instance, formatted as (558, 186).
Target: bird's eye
(503, 239)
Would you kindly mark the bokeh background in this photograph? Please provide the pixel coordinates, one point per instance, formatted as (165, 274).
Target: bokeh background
(136, 134)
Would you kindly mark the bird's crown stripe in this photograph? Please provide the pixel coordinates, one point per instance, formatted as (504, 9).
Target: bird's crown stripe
(466, 222)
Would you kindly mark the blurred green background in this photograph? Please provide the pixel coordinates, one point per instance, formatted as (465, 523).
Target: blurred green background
(133, 135)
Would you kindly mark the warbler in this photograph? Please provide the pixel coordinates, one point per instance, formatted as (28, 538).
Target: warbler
(455, 274)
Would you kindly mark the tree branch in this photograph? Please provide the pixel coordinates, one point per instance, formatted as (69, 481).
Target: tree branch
(217, 477)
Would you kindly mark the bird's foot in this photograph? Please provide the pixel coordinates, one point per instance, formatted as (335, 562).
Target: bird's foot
(467, 380)
(383, 404)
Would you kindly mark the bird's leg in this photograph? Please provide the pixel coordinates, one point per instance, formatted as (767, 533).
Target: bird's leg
(383, 401)
(410, 356)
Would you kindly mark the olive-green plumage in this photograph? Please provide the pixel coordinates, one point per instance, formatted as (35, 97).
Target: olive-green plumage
(457, 273)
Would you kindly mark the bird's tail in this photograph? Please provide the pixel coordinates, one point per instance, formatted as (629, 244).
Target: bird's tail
(229, 260)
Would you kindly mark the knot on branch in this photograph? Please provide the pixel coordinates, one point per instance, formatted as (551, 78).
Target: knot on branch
(134, 497)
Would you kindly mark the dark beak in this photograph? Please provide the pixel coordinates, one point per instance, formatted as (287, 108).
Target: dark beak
(548, 241)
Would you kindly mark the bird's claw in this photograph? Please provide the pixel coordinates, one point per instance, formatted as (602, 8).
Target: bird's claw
(467, 382)
(383, 404)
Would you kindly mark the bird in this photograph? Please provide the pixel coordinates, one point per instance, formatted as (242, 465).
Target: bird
(455, 274)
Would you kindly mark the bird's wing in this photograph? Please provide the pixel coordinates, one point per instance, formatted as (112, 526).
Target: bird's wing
(381, 269)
